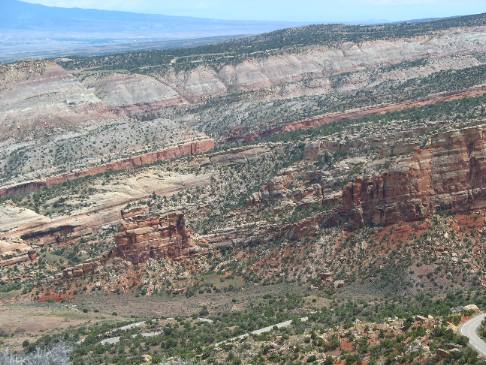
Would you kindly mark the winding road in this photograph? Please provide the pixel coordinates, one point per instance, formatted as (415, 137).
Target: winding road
(262, 331)
(470, 330)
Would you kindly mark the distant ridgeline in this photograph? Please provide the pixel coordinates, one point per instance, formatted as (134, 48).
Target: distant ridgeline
(270, 43)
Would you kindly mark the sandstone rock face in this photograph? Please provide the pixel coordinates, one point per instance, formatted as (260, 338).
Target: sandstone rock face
(14, 252)
(183, 150)
(146, 234)
(449, 175)
(41, 96)
(55, 119)
(24, 188)
(124, 89)
(317, 64)
(79, 270)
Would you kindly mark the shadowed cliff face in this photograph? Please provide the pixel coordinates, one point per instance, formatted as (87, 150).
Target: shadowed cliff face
(449, 175)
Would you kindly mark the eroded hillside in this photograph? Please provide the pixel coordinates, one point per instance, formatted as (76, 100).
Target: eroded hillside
(68, 114)
(342, 169)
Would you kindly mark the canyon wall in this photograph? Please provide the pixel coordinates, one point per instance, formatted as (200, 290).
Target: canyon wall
(182, 150)
(356, 114)
(447, 176)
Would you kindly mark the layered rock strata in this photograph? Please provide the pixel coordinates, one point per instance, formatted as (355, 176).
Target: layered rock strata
(184, 150)
(356, 114)
(447, 176)
(14, 252)
(146, 233)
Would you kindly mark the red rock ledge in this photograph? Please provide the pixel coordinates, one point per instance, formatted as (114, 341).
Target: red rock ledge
(183, 150)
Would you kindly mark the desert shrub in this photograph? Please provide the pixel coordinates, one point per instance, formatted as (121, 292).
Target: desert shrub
(59, 354)
(482, 330)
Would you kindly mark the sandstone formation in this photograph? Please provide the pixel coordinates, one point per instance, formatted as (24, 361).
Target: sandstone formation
(59, 116)
(80, 270)
(146, 233)
(14, 252)
(313, 65)
(448, 176)
(125, 89)
(183, 150)
(356, 114)
(25, 246)
(92, 120)
(40, 95)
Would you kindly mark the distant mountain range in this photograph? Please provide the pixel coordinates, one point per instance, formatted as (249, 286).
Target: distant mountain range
(32, 30)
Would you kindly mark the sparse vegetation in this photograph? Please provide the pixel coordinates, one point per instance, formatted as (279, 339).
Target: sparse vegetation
(58, 354)
(280, 252)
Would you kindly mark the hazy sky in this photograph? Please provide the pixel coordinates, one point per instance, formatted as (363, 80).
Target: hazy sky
(292, 10)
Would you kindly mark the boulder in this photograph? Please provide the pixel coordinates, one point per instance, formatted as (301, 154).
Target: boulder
(339, 284)
(472, 308)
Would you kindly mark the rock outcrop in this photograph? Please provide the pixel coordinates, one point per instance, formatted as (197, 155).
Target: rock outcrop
(14, 252)
(81, 269)
(146, 233)
(183, 150)
(356, 114)
(449, 176)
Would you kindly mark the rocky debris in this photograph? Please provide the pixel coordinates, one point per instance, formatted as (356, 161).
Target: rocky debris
(80, 270)
(449, 175)
(232, 237)
(339, 284)
(275, 189)
(417, 342)
(147, 233)
(443, 354)
(292, 187)
(147, 359)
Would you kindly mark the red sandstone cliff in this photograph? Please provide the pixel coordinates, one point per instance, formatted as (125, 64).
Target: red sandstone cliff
(146, 234)
(449, 175)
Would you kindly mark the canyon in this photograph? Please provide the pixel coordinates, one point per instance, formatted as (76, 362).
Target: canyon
(211, 191)
(70, 114)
